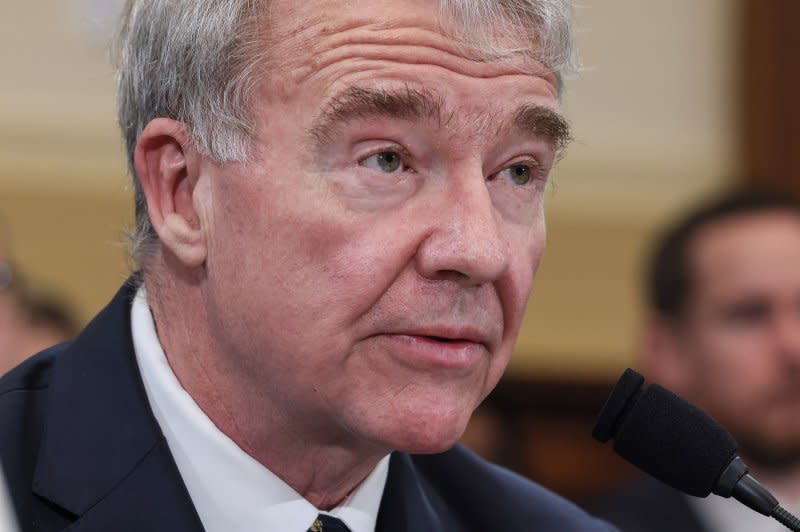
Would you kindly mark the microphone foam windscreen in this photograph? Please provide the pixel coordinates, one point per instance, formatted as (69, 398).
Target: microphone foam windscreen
(674, 441)
(622, 396)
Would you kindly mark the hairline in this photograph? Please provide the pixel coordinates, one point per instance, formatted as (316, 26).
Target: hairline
(688, 231)
(704, 231)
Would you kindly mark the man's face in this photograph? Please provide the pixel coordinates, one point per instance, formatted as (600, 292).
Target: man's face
(741, 338)
(369, 268)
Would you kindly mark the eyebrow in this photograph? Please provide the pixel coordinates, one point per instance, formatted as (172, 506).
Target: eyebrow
(538, 120)
(409, 104)
(358, 102)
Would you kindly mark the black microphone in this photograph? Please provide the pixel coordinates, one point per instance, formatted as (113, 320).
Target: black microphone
(679, 444)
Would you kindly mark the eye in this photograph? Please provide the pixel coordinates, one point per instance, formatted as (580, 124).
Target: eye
(388, 161)
(748, 312)
(519, 174)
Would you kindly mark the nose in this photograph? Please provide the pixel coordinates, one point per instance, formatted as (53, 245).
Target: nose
(466, 242)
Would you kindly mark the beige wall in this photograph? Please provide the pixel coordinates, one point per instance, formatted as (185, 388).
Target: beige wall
(653, 115)
(655, 120)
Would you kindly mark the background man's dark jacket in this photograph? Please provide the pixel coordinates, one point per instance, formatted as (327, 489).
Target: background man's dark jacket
(648, 505)
(82, 451)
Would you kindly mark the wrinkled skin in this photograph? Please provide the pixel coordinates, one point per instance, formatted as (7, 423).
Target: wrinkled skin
(359, 283)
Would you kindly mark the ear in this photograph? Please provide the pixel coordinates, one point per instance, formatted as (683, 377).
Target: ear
(165, 164)
(663, 359)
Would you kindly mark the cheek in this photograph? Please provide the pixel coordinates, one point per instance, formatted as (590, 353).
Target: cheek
(734, 355)
(729, 376)
(312, 260)
(366, 277)
(526, 254)
(514, 291)
(531, 245)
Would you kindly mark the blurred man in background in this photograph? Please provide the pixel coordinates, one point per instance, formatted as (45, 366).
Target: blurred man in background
(12, 319)
(29, 320)
(30, 323)
(10, 315)
(724, 293)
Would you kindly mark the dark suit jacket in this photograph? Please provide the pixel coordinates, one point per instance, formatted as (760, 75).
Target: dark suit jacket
(648, 505)
(82, 452)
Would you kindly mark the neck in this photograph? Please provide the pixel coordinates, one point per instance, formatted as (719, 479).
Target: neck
(321, 461)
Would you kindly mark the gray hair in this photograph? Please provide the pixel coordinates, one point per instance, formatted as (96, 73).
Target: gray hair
(197, 62)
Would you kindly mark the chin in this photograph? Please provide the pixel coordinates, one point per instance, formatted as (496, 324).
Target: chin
(770, 447)
(428, 434)
(430, 445)
(778, 456)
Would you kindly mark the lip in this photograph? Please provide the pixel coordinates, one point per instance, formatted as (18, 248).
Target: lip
(450, 334)
(437, 348)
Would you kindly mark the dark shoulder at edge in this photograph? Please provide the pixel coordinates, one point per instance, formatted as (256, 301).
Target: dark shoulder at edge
(514, 492)
(33, 374)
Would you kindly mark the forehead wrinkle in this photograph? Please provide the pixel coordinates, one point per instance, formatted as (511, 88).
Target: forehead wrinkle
(324, 32)
(359, 103)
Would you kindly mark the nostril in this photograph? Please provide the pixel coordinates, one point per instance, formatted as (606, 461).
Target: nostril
(452, 275)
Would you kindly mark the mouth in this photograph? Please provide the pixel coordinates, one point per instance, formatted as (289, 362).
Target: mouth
(439, 350)
(449, 335)
(446, 340)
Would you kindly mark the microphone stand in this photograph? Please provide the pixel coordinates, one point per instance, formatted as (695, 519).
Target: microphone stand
(646, 423)
(736, 482)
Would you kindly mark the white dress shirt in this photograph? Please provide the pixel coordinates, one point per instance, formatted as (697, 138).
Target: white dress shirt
(721, 514)
(231, 491)
(7, 520)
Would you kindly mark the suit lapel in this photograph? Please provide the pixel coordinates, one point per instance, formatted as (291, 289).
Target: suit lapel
(103, 457)
(148, 499)
(406, 506)
(104, 460)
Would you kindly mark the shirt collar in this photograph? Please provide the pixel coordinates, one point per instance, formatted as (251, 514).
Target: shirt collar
(728, 514)
(230, 489)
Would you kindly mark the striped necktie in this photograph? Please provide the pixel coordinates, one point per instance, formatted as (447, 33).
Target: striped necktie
(326, 523)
